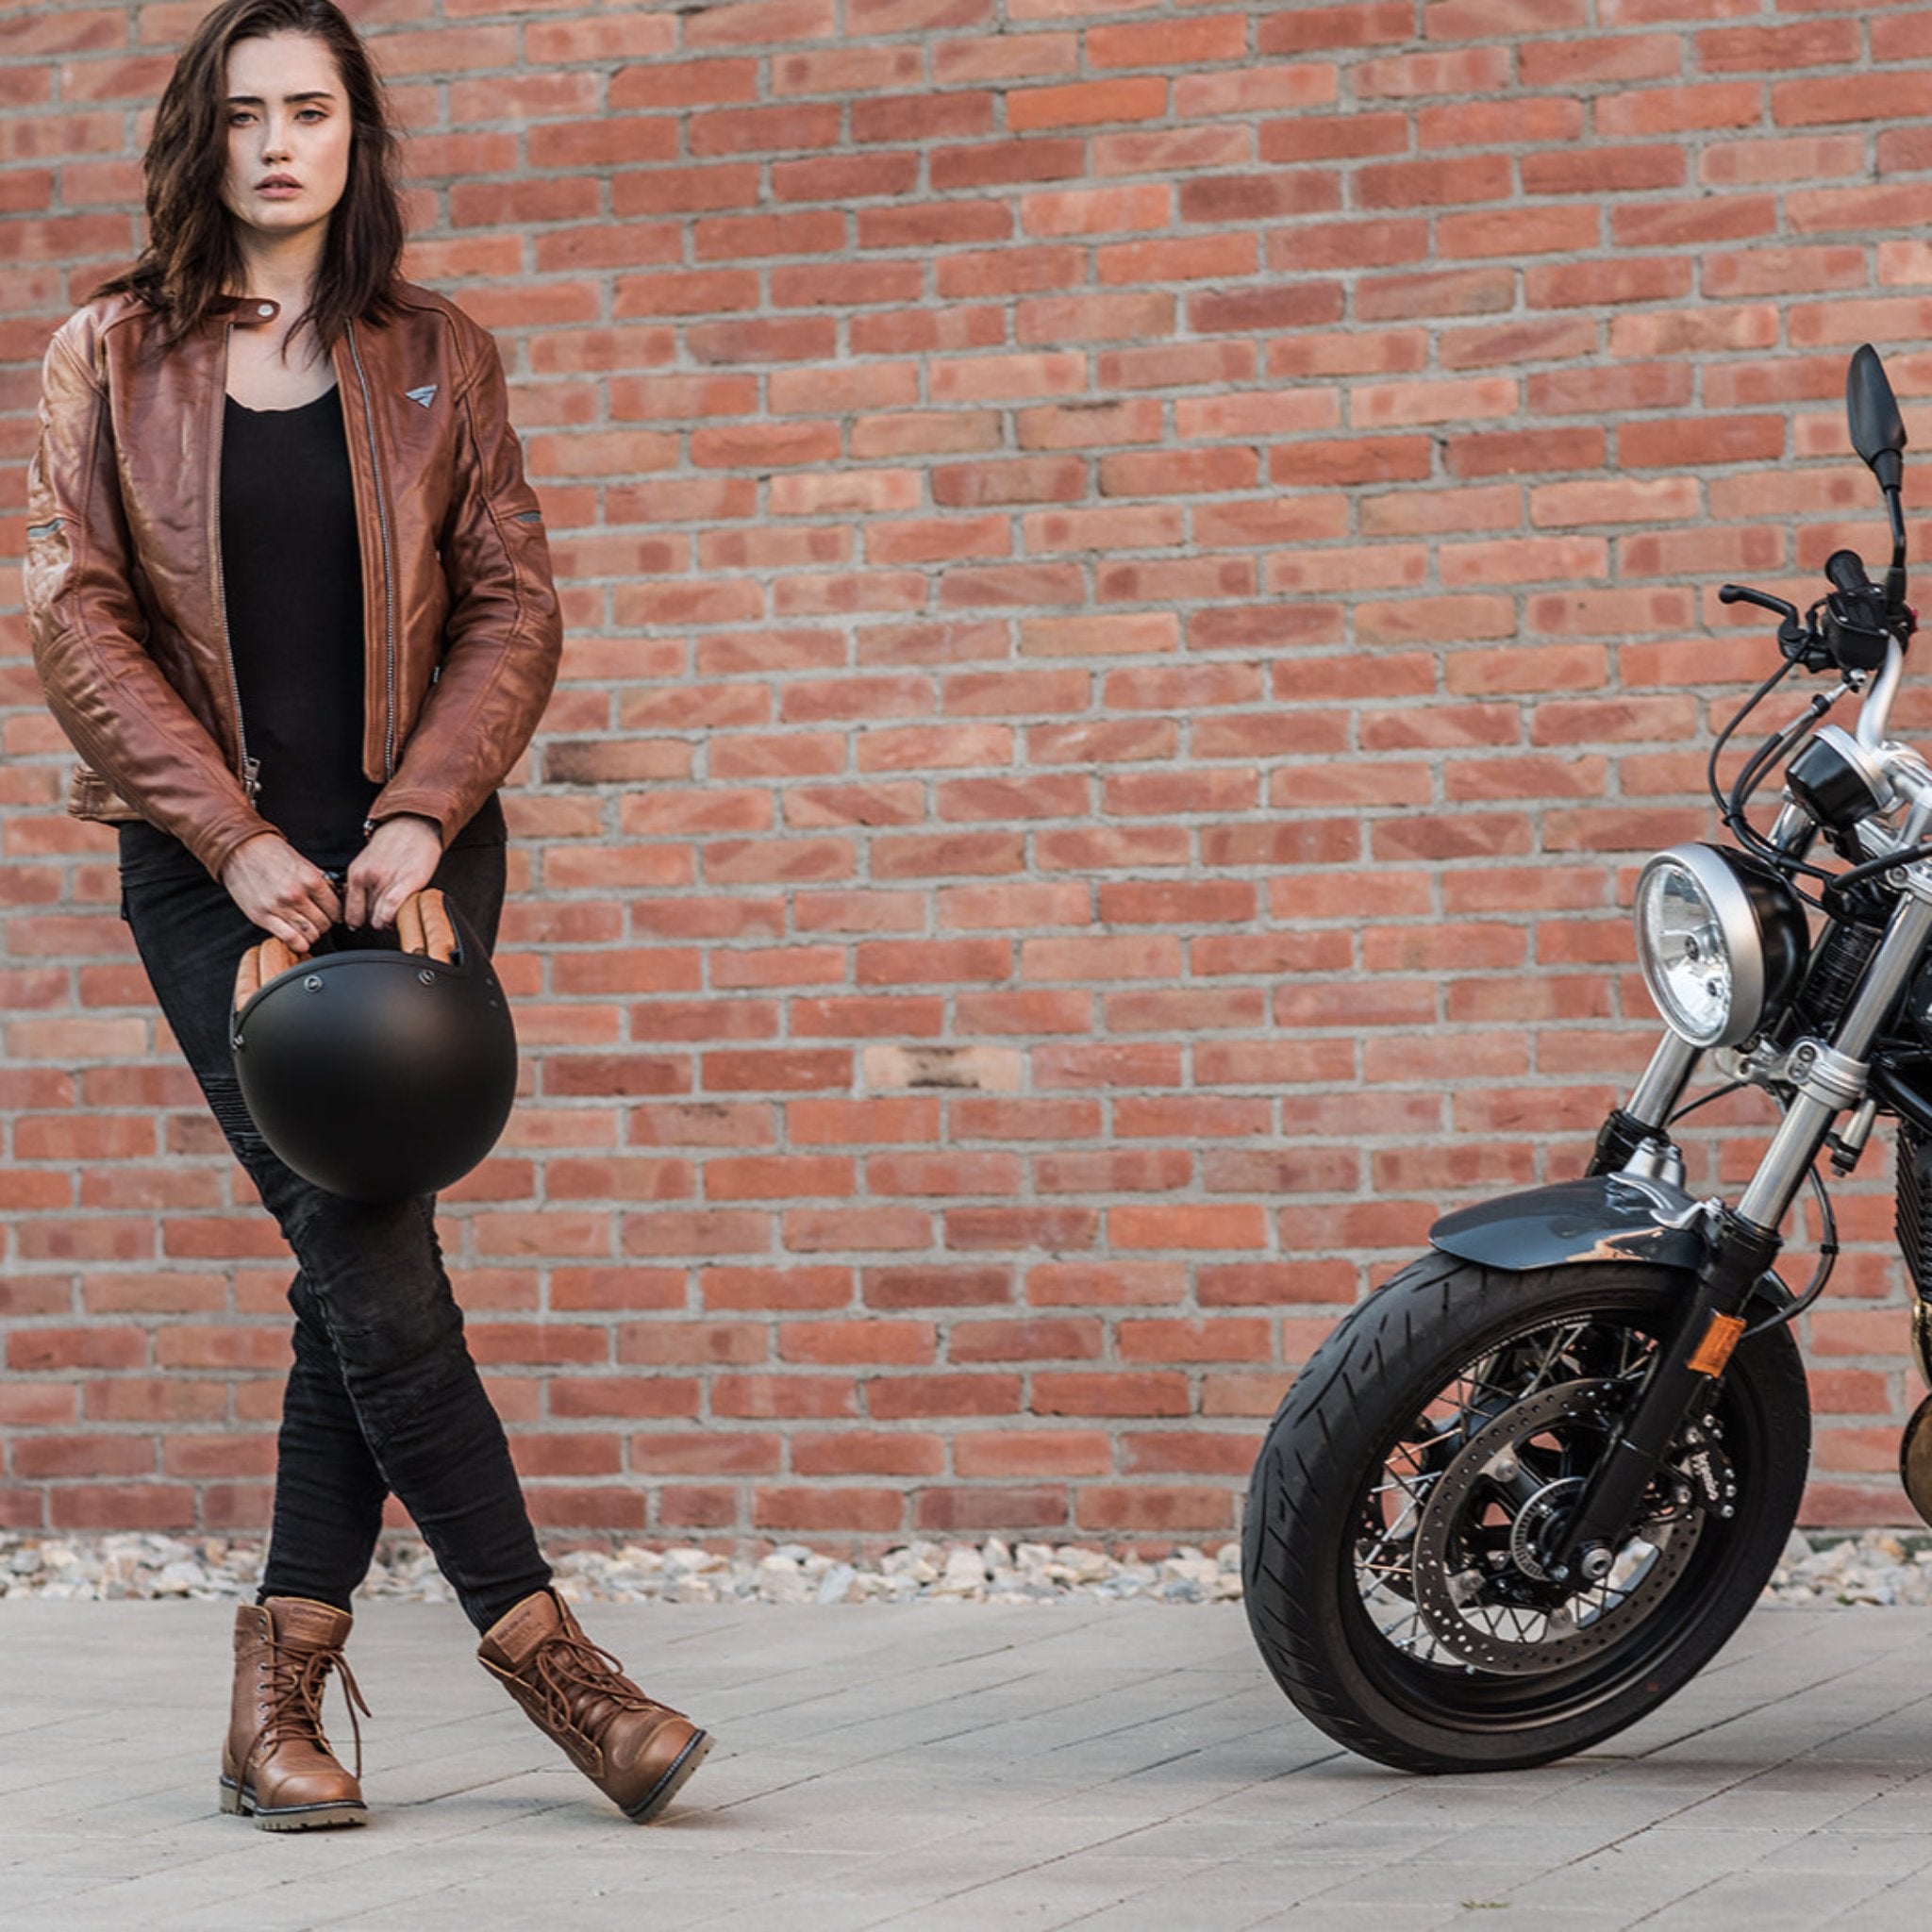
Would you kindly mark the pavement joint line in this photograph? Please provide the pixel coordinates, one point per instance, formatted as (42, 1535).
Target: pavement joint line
(1664, 1823)
(1157, 1717)
(964, 1730)
(1119, 1838)
(1732, 1717)
(1850, 1730)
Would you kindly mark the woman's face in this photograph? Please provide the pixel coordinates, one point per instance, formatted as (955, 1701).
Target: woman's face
(288, 123)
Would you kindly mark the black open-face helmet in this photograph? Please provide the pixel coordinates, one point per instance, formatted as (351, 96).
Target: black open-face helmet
(377, 1072)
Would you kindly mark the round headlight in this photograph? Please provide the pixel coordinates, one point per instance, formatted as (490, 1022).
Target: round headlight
(1722, 939)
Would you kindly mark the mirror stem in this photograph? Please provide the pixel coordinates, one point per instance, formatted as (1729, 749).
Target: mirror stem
(1896, 576)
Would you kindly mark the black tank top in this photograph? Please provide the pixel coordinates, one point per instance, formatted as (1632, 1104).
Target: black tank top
(292, 575)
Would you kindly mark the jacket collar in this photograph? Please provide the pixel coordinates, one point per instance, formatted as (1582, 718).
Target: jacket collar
(244, 311)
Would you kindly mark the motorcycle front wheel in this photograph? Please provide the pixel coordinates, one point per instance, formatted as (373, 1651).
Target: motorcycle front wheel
(1396, 1582)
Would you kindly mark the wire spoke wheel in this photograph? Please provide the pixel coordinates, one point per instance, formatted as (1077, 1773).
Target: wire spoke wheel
(1479, 1572)
(1406, 1508)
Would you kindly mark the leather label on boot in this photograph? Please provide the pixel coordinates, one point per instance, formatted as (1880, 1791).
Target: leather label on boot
(297, 1620)
(520, 1631)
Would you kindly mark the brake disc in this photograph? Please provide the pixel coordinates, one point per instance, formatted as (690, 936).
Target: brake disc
(1464, 1603)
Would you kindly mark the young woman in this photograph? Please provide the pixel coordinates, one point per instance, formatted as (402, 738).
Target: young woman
(291, 599)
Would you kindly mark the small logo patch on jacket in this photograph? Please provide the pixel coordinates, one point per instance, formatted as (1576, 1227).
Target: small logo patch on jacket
(426, 395)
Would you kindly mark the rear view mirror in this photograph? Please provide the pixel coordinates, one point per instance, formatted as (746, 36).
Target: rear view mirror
(1878, 431)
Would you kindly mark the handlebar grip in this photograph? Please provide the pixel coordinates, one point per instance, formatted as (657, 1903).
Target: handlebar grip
(1844, 569)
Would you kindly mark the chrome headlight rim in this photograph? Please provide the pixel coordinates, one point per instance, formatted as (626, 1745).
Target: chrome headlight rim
(1719, 878)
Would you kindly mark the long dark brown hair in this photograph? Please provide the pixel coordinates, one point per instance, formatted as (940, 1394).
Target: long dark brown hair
(192, 258)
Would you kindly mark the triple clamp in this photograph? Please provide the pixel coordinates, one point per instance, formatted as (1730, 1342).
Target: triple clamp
(1823, 1073)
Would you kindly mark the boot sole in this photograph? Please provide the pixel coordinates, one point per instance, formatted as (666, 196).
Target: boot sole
(238, 1802)
(673, 1781)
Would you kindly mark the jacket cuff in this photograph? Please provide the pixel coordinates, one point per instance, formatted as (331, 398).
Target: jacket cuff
(215, 846)
(437, 807)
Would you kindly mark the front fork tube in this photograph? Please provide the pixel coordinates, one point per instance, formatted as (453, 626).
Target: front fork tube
(1656, 1096)
(1685, 1377)
(1828, 1079)
(1648, 1110)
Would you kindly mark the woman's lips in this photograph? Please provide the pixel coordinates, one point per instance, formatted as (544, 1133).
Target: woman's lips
(278, 191)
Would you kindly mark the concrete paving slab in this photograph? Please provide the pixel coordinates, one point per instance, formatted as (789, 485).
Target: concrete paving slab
(941, 1765)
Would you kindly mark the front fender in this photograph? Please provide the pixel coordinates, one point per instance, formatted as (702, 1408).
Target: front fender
(1609, 1216)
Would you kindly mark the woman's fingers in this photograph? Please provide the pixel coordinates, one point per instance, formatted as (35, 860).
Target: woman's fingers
(308, 904)
(321, 905)
(367, 878)
(280, 891)
(401, 857)
(386, 890)
(398, 890)
(310, 914)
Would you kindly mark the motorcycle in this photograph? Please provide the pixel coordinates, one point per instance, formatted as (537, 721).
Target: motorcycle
(1530, 1486)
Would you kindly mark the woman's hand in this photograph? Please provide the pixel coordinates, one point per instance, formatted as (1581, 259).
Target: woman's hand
(280, 891)
(401, 857)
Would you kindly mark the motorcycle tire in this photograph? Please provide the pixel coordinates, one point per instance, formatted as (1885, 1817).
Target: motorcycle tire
(1413, 1666)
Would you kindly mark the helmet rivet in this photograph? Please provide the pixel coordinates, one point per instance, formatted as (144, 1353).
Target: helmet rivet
(313, 983)
(427, 977)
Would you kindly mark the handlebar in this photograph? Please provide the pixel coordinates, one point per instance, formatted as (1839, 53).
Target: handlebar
(1873, 712)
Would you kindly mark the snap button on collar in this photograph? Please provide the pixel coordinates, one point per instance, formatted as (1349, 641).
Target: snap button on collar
(267, 309)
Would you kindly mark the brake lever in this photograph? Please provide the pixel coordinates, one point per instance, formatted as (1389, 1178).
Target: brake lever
(1796, 639)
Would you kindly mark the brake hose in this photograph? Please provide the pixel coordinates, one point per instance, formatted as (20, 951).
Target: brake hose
(1827, 1257)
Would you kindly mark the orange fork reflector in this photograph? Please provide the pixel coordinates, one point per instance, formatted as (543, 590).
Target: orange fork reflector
(1714, 1351)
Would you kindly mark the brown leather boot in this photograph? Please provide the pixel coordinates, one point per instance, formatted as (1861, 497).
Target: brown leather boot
(636, 1751)
(277, 1765)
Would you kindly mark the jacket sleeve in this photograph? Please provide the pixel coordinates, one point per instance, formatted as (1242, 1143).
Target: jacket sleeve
(504, 634)
(88, 632)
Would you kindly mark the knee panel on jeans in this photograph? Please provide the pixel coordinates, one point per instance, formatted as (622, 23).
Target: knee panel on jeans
(232, 1116)
(397, 1358)
(373, 1281)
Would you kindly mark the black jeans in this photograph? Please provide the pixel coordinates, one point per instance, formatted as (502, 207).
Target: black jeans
(382, 1394)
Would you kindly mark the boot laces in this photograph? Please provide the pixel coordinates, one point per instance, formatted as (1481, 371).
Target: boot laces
(296, 1679)
(584, 1687)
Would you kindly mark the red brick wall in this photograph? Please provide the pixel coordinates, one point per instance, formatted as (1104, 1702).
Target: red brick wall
(1138, 577)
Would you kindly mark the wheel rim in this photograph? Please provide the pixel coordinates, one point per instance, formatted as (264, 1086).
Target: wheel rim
(1427, 1518)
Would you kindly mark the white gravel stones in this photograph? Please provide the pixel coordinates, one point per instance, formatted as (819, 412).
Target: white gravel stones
(1875, 1567)
(1878, 1567)
(212, 1568)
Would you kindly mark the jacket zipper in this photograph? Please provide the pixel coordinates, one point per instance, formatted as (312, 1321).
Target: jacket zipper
(251, 768)
(388, 576)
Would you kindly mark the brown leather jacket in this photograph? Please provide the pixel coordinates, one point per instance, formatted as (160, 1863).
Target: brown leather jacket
(123, 568)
